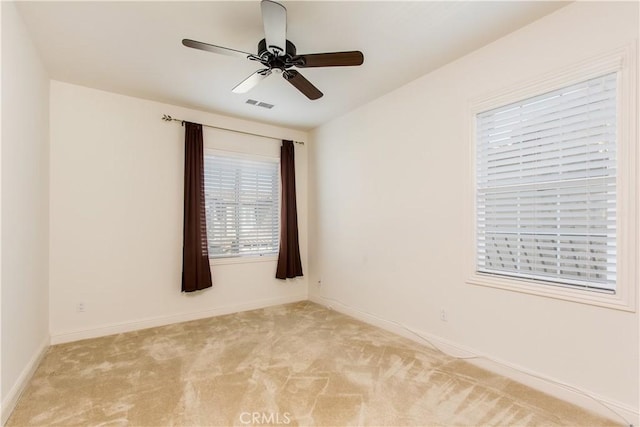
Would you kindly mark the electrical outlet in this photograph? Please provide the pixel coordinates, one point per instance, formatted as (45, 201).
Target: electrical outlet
(443, 315)
(80, 307)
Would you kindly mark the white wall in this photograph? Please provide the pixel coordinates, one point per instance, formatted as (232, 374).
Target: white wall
(116, 216)
(25, 207)
(391, 213)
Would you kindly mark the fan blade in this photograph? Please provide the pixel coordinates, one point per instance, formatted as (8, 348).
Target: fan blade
(274, 18)
(334, 59)
(252, 81)
(302, 84)
(215, 49)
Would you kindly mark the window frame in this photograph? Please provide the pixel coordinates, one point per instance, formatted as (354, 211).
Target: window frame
(624, 62)
(243, 259)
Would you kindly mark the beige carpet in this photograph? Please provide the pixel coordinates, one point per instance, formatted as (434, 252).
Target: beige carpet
(298, 365)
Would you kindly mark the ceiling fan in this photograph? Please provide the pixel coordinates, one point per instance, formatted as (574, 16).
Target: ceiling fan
(277, 54)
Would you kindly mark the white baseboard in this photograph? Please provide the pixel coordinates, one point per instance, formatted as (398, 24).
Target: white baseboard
(541, 382)
(117, 328)
(11, 399)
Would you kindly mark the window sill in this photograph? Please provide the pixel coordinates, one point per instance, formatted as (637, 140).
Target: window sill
(533, 287)
(243, 260)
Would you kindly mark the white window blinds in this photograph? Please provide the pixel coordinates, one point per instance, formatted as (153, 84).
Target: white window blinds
(242, 205)
(546, 187)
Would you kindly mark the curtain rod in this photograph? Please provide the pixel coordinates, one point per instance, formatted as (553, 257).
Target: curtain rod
(168, 118)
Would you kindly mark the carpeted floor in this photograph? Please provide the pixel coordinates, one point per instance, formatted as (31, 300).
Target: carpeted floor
(297, 365)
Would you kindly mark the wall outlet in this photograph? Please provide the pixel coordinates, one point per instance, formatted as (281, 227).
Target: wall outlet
(443, 315)
(80, 307)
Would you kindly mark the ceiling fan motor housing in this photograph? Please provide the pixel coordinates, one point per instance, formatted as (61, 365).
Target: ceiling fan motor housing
(262, 49)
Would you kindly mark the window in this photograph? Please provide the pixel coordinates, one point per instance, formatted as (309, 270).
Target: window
(555, 184)
(546, 187)
(242, 205)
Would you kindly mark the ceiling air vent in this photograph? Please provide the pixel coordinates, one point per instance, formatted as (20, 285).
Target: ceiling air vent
(259, 103)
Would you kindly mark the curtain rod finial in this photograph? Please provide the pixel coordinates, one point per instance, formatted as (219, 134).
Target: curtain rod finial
(167, 118)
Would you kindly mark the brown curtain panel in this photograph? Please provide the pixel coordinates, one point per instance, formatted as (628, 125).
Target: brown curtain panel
(289, 264)
(196, 273)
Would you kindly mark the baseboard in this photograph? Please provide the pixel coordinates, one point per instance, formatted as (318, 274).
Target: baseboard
(11, 399)
(538, 381)
(118, 328)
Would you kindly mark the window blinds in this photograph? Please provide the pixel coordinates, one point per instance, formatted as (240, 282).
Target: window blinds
(242, 205)
(546, 187)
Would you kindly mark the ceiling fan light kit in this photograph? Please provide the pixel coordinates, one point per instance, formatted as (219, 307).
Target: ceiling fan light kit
(278, 54)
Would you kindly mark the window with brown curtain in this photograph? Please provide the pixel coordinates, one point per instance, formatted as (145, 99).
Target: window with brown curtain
(196, 272)
(289, 264)
(242, 194)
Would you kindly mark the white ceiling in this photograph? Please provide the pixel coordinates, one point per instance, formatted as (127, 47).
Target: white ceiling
(134, 48)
